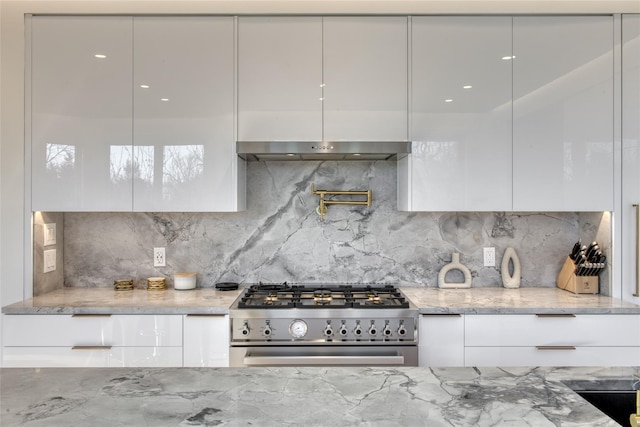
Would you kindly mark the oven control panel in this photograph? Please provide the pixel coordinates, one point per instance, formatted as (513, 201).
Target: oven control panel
(327, 330)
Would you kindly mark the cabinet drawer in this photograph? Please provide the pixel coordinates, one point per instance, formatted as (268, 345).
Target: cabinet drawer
(106, 357)
(86, 330)
(441, 340)
(532, 356)
(206, 341)
(541, 330)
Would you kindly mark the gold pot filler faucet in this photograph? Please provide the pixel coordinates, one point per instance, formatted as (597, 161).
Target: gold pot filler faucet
(322, 206)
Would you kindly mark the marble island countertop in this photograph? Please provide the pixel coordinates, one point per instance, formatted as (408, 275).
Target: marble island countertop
(337, 396)
(427, 300)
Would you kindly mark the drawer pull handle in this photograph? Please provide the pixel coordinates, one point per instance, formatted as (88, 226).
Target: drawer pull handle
(555, 315)
(637, 293)
(442, 314)
(91, 347)
(555, 347)
(205, 315)
(90, 315)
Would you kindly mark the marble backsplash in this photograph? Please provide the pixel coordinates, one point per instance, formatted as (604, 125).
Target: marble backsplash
(281, 238)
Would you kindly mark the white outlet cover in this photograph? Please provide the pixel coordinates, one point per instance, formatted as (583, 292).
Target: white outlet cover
(49, 260)
(159, 259)
(49, 234)
(489, 257)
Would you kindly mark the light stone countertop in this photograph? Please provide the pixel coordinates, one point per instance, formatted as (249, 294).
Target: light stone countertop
(137, 301)
(427, 300)
(514, 301)
(309, 396)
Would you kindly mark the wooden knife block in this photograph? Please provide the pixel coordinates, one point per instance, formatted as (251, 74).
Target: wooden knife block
(568, 280)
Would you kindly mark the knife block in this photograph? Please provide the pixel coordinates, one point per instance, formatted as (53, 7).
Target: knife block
(568, 280)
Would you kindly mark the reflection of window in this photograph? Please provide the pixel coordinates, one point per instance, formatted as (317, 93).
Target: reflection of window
(123, 166)
(60, 159)
(182, 163)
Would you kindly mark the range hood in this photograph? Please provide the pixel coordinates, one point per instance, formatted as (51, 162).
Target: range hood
(334, 150)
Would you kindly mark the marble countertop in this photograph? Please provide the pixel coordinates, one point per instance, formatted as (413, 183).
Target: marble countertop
(514, 301)
(137, 301)
(309, 396)
(427, 300)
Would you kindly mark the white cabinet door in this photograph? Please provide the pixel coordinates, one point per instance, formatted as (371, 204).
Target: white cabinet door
(460, 116)
(280, 78)
(81, 100)
(365, 78)
(183, 128)
(630, 152)
(206, 341)
(441, 340)
(563, 113)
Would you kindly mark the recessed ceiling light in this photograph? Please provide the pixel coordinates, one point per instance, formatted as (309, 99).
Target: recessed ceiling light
(164, 99)
(506, 58)
(144, 86)
(448, 100)
(467, 87)
(99, 55)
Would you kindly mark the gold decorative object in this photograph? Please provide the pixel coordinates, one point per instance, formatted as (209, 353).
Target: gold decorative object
(123, 285)
(322, 207)
(156, 284)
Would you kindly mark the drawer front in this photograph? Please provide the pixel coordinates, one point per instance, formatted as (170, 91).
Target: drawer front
(536, 330)
(91, 357)
(532, 356)
(206, 341)
(68, 331)
(441, 340)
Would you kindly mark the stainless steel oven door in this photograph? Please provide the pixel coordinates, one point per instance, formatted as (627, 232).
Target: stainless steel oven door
(353, 355)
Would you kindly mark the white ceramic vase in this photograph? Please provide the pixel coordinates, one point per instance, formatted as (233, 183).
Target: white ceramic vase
(454, 265)
(510, 280)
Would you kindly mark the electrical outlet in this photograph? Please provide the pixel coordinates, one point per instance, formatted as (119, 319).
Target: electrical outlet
(49, 234)
(49, 260)
(489, 257)
(159, 259)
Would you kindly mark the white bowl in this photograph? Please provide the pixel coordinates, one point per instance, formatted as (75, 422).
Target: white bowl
(184, 281)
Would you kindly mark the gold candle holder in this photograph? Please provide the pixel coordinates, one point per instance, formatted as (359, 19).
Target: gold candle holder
(156, 284)
(123, 285)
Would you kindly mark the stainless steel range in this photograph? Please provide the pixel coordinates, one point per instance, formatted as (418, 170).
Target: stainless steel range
(295, 325)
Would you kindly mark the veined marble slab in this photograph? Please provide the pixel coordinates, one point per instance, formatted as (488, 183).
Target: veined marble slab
(138, 301)
(427, 300)
(514, 301)
(336, 396)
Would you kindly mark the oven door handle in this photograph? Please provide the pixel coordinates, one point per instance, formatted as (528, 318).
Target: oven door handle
(323, 360)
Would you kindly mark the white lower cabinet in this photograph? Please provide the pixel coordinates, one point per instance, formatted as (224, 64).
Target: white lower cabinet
(206, 340)
(92, 340)
(441, 340)
(552, 340)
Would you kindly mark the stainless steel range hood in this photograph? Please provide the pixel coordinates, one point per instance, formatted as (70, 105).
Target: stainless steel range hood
(334, 150)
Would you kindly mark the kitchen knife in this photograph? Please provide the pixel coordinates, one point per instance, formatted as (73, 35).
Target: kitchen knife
(575, 251)
(591, 250)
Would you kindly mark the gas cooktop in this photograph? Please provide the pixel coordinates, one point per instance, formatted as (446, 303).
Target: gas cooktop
(283, 296)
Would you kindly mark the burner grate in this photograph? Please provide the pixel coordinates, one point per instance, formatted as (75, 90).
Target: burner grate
(284, 295)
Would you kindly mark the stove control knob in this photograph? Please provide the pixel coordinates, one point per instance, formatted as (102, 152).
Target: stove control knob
(358, 330)
(343, 330)
(372, 329)
(401, 330)
(328, 331)
(267, 331)
(245, 329)
(386, 331)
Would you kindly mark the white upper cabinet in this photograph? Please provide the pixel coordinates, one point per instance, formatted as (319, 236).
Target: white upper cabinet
(134, 113)
(280, 78)
(460, 116)
(183, 110)
(81, 101)
(563, 113)
(630, 151)
(315, 79)
(365, 78)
